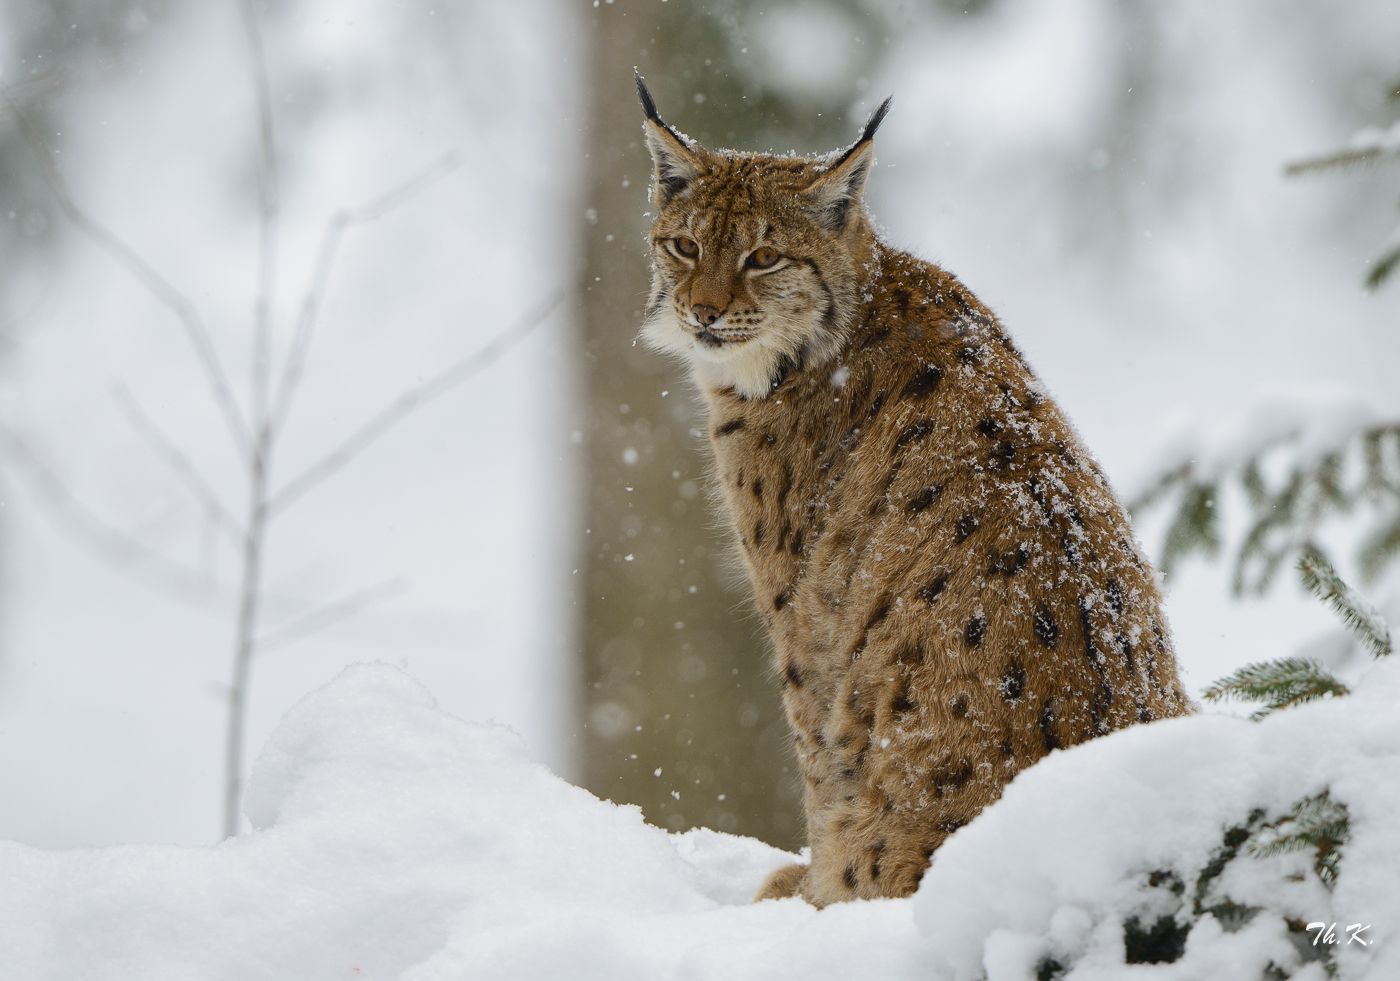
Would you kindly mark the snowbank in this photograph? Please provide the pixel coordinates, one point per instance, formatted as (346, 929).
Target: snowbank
(394, 841)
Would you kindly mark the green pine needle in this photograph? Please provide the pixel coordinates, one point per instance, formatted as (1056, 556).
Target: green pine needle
(1379, 550)
(1349, 157)
(1315, 822)
(1195, 529)
(1278, 684)
(1368, 626)
(1382, 269)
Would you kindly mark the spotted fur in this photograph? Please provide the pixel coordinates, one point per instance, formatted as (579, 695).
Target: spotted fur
(951, 588)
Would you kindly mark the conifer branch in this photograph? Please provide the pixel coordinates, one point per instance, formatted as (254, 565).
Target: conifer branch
(1279, 684)
(1382, 268)
(1360, 617)
(1195, 529)
(1317, 822)
(1291, 492)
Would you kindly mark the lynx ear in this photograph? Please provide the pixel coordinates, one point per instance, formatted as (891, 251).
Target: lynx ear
(836, 193)
(676, 163)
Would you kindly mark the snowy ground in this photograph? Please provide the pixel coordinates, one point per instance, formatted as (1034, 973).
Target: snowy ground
(393, 840)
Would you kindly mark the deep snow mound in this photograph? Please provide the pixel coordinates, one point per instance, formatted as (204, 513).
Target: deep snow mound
(394, 841)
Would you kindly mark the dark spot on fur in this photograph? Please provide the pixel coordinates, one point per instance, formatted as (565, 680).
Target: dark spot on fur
(781, 600)
(874, 337)
(958, 705)
(989, 428)
(783, 532)
(970, 355)
(792, 675)
(786, 484)
(757, 487)
(921, 501)
(1091, 650)
(1100, 708)
(915, 431)
(902, 704)
(849, 877)
(881, 611)
(976, 627)
(1046, 629)
(1115, 595)
(1009, 563)
(1038, 495)
(758, 533)
(1013, 684)
(732, 426)
(739, 480)
(923, 384)
(951, 780)
(876, 405)
(930, 592)
(1075, 516)
(1072, 551)
(909, 655)
(1125, 647)
(967, 524)
(1007, 749)
(1003, 454)
(900, 296)
(796, 547)
(1047, 728)
(1144, 714)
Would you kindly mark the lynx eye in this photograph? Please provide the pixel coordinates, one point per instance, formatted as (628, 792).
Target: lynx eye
(763, 258)
(686, 247)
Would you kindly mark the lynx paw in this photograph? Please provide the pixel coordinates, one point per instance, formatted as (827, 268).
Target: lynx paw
(781, 883)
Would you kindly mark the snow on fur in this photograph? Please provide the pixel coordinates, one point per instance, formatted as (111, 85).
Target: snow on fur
(394, 841)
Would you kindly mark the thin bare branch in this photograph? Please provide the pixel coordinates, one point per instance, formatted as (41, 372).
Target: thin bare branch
(315, 296)
(268, 209)
(34, 88)
(113, 547)
(178, 461)
(406, 404)
(330, 614)
(144, 273)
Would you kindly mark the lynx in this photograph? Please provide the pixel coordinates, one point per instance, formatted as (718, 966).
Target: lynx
(951, 589)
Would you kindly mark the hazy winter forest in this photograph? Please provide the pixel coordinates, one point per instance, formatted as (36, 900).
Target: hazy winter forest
(316, 348)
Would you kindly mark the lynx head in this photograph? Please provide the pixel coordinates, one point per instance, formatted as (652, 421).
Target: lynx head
(757, 261)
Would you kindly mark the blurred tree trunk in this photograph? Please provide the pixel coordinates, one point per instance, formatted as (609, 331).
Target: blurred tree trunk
(677, 697)
(675, 670)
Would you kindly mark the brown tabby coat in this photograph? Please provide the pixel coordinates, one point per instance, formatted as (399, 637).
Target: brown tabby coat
(951, 587)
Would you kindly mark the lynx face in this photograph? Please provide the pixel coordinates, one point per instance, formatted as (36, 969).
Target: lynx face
(755, 259)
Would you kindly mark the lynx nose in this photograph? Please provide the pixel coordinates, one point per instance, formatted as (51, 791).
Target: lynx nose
(705, 313)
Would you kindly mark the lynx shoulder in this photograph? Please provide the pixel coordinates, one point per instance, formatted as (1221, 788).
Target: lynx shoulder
(951, 588)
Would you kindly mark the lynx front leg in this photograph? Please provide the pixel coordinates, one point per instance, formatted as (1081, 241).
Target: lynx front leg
(781, 883)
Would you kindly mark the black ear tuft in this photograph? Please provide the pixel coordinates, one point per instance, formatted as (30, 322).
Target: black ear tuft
(648, 103)
(867, 134)
(876, 119)
(836, 193)
(674, 157)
